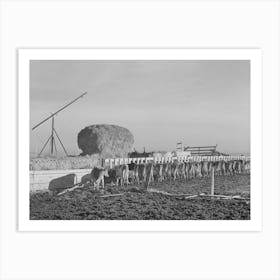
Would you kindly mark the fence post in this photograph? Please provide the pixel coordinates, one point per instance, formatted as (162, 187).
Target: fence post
(212, 182)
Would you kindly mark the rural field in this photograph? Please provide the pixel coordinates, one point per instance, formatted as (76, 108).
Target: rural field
(136, 203)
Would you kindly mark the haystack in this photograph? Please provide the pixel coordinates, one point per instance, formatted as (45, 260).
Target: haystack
(109, 141)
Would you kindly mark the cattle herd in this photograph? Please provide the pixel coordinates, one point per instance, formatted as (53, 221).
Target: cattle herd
(158, 172)
(150, 172)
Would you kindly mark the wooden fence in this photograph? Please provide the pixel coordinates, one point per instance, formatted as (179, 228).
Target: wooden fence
(39, 179)
(118, 161)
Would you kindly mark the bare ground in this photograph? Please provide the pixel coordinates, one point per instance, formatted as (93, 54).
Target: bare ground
(136, 203)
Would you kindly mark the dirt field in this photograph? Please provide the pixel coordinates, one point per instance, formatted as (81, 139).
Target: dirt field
(138, 204)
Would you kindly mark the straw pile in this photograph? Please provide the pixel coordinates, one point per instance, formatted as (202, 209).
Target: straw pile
(109, 141)
(50, 163)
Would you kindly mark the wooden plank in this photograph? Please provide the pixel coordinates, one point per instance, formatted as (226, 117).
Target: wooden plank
(191, 196)
(111, 195)
(167, 193)
(70, 189)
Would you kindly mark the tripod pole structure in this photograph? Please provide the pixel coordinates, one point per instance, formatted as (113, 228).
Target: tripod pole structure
(53, 131)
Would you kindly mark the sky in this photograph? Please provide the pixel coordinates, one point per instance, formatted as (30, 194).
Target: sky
(196, 102)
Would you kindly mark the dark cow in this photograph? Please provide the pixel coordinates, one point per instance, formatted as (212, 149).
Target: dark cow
(132, 170)
(156, 174)
(237, 166)
(141, 174)
(112, 176)
(85, 180)
(59, 184)
(228, 168)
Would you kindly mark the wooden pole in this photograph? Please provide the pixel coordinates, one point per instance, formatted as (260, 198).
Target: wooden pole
(52, 139)
(212, 182)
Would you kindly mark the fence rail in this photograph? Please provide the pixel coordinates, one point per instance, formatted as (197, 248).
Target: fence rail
(118, 161)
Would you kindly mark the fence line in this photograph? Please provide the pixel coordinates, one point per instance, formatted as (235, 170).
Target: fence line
(119, 161)
(39, 179)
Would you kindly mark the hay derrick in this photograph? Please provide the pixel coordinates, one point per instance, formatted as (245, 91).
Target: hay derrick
(109, 141)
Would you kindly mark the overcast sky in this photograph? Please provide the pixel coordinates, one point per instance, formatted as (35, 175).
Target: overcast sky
(160, 102)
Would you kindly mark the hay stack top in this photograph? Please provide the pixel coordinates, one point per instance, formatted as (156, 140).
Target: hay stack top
(109, 141)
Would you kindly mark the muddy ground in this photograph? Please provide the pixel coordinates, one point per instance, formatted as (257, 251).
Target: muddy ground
(136, 203)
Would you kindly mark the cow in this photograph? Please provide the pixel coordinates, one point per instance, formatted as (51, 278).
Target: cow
(228, 168)
(174, 170)
(210, 167)
(238, 167)
(150, 172)
(97, 176)
(61, 183)
(112, 176)
(160, 171)
(218, 167)
(136, 174)
(141, 173)
(121, 174)
(235, 164)
(187, 170)
(192, 170)
(132, 172)
(205, 168)
(223, 167)
(182, 170)
(247, 166)
(198, 167)
(167, 171)
(126, 174)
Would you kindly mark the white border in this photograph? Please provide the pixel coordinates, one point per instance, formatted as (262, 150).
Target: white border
(254, 55)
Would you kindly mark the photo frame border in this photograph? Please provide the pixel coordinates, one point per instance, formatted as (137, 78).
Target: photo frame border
(255, 57)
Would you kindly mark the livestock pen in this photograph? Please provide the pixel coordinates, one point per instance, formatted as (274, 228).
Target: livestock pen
(167, 199)
(39, 179)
